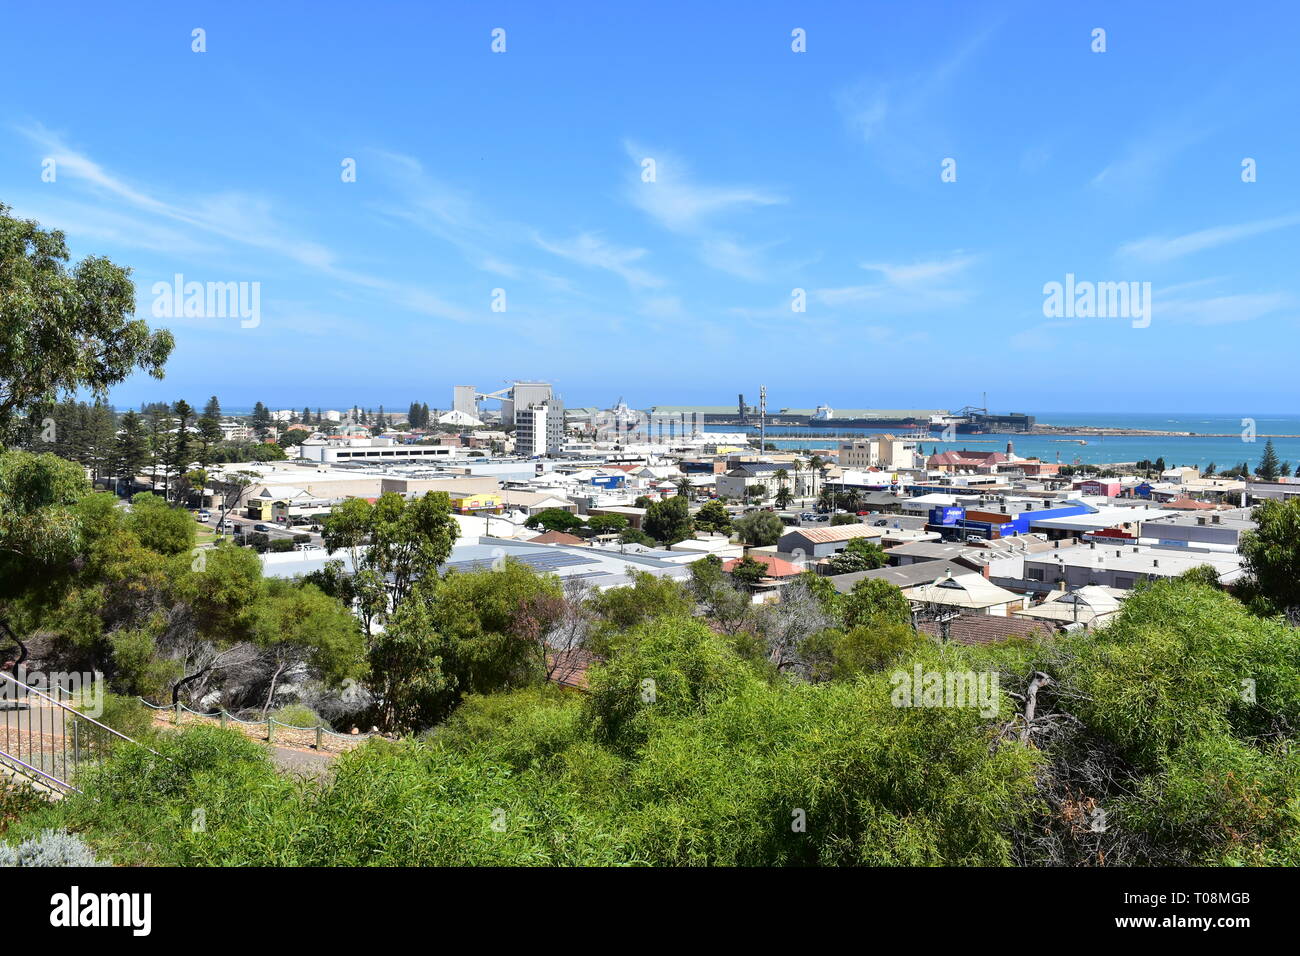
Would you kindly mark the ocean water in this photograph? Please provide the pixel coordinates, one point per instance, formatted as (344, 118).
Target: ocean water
(1199, 451)
(1195, 450)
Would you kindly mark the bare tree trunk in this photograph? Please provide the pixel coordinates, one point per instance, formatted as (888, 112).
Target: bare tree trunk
(22, 648)
(1039, 681)
(270, 694)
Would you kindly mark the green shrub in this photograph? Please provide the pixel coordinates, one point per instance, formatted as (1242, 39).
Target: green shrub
(686, 754)
(298, 715)
(127, 716)
(16, 801)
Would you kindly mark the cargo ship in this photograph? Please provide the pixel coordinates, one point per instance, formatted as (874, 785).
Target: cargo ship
(884, 418)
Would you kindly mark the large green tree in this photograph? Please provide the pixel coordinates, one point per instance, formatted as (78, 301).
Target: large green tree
(859, 554)
(477, 632)
(760, 529)
(392, 543)
(1269, 468)
(40, 530)
(63, 329)
(713, 517)
(1272, 558)
(554, 519)
(669, 521)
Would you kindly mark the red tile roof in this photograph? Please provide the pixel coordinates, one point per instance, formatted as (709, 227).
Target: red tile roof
(569, 668)
(967, 458)
(556, 537)
(1187, 504)
(987, 629)
(776, 567)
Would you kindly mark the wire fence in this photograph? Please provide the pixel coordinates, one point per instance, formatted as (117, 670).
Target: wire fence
(316, 738)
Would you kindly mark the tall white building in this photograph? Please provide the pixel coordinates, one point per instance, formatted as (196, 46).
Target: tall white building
(464, 399)
(539, 428)
(520, 402)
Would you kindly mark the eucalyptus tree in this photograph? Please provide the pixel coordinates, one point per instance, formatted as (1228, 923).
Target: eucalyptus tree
(64, 329)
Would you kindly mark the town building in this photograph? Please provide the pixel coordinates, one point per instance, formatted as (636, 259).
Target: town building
(1122, 567)
(1214, 531)
(813, 543)
(343, 449)
(970, 593)
(539, 428)
(880, 451)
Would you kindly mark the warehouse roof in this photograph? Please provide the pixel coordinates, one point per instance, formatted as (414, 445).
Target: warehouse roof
(907, 576)
(843, 532)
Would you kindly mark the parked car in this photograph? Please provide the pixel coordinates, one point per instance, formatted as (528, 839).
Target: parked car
(204, 515)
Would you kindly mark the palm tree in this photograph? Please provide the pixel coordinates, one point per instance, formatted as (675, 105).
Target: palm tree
(815, 467)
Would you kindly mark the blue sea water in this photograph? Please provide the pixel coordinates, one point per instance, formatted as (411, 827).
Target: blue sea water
(1197, 450)
(1191, 450)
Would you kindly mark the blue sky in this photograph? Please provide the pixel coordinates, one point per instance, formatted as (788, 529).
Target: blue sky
(775, 171)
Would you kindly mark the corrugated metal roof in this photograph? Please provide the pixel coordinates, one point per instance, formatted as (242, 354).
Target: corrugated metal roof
(844, 532)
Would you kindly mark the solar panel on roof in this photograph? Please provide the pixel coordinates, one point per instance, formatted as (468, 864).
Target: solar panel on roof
(541, 561)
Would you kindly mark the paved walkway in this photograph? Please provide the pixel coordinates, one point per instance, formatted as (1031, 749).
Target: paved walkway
(292, 750)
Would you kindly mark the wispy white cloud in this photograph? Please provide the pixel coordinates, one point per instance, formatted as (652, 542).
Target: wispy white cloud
(590, 250)
(1159, 141)
(232, 216)
(896, 117)
(99, 222)
(1166, 248)
(679, 203)
(241, 221)
(663, 307)
(1221, 309)
(905, 285)
(914, 273)
(733, 257)
(447, 213)
(686, 207)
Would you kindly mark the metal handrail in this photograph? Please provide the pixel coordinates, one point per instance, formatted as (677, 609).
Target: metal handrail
(76, 713)
(55, 751)
(54, 781)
